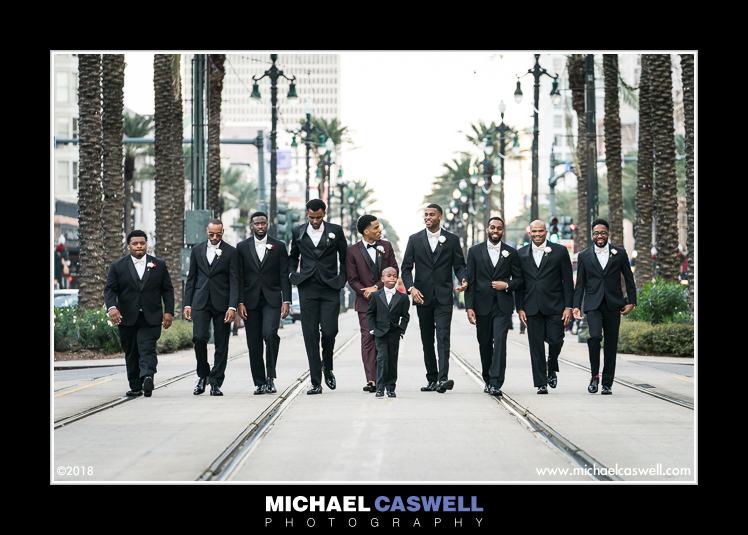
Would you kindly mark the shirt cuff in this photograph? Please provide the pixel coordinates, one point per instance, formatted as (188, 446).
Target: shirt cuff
(232, 308)
(111, 307)
(286, 302)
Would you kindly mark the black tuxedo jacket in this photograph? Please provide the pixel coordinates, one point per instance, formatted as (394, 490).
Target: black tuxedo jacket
(434, 270)
(269, 277)
(130, 294)
(383, 319)
(363, 273)
(480, 296)
(216, 284)
(325, 263)
(550, 288)
(594, 282)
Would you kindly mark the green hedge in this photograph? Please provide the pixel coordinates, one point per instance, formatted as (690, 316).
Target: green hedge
(642, 338)
(662, 301)
(92, 329)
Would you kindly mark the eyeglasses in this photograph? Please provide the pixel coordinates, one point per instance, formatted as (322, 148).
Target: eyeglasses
(596, 233)
(215, 234)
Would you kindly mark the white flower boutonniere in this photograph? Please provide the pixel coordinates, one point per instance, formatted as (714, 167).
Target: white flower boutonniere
(613, 251)
(547, 250)
(219, 253)
(380, 249)
(151, 265)
(331, 235)
(269, 246)
(505, 253)
(442, 239)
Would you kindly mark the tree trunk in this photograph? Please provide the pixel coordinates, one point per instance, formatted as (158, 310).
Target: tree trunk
(644, 177)
(215, 89)
(92, 266)
(112, 213)
(613, 148)
(686, 61)
(576, 83)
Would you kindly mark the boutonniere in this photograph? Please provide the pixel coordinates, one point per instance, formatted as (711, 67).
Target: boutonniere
(380, 249)
(269, 246)
(331, 235)
(613, 251)
(547, 250)
(219, 253)
(505, 253)
(442, 239)
(151, 265)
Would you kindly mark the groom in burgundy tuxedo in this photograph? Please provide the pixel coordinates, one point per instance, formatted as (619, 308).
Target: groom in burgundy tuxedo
(364, 262)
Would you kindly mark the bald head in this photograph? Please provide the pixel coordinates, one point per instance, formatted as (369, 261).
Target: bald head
(538, 232)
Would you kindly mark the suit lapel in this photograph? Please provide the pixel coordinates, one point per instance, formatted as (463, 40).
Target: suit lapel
(395, 300)
(365, 254)
(383, 297)
(146, 273)
(439, 247)
(133, 271)
(500, 260)
(425, 240)
(202, 256)
(378, 272)
(595, 261)
(544, 258)
(610, 259)
(253, 252)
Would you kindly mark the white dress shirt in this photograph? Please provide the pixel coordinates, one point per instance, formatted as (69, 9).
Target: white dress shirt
(388, 294)
(493, 251)
(315, 235)
(372, 251)
(211, 251)
(261, 247)
(538, 252)
(433, 238)
(139, 265)
(603, 254)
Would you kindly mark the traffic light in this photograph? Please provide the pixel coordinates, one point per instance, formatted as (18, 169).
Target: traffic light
(553, 230)
(568, 228)
(281, 223)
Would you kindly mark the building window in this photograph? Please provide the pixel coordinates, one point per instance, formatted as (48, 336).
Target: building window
(62, 88)
(61, 128)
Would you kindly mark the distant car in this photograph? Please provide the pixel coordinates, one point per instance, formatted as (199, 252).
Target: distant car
(66, 298)
(295, 306)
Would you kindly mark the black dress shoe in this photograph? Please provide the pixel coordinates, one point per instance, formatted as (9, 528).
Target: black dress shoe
(391, 394)
(133, 393)
(147, 386)
(259, 390)
(494, 391)
(552, 379)
(370, 387)
(486, 389)
(200, 386)
(592, 388)
(270, 386)
(215, 391)
(542, 390)
(379, 394)
(445, 385)
(607, 391)
(429, 387)
(314, 390)
(330, 380)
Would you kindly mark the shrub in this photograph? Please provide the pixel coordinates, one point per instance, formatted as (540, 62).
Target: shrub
(176, 337)
(659, 301)
(77, 328)
(639, 337)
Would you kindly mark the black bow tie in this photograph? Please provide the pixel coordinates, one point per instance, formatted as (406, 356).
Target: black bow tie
(368, 246)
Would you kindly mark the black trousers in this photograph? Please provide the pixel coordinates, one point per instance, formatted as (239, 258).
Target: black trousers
(201, 320)
(540, 328)
(388, 347)
(607, 322)
(139, 343)
(492, 331)
(320, 306)
(435, 319)
(261, 326)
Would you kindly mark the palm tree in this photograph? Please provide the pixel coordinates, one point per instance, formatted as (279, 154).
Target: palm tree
(390, 234)
(322, 130)
(134, 126)
(480, 133)
(613, 147)
(238, 193)
(112, 213)
(665, 185)
(215, 89)
(686, 61)
(644, 179)
(575, 67)
(169, 166)
(92, 264)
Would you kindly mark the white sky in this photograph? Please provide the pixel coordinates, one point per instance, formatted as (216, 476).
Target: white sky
(405, 111)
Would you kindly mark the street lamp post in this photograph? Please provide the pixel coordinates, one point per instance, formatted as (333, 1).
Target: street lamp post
(341, 184)
(306, 132)
(537, 71)
(273, 73)
(325, 148)
(488, 170)
(503, 130)
(352, 214)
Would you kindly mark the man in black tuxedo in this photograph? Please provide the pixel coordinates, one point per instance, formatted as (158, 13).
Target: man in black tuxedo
(388, 318)
(265, 298)
(598, 293)
(364, 263)
(544, 302)
(494, 275)
(436, 253)
(210, 295)
(136, 287)
(320, 247)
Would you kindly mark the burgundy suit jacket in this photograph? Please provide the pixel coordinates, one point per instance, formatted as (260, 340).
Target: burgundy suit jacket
(361, 270)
